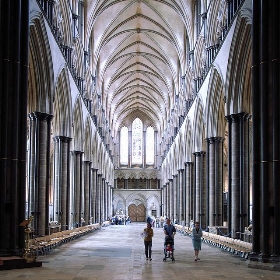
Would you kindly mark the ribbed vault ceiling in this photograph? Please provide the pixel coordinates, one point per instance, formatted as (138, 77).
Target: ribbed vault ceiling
(139, 55)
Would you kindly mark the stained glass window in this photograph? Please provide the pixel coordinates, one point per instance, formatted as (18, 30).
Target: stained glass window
(137, 133)
(124, 146)
(150, 148)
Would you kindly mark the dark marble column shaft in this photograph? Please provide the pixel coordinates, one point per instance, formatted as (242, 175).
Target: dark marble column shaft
(38, 171)
(93, 194)
(189, 192)
(61, 201)
(87, 191)
(14, 30)
(266, 130)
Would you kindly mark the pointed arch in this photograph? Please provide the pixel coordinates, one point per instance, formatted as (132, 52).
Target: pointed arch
(215, 111)
(62, 105)
(40, 74)
(199, 128)
(78, 127)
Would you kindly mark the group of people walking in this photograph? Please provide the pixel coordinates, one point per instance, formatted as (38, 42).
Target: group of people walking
(169, 232)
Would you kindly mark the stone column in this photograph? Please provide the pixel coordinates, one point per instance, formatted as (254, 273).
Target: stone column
(171, 199)
(215, 181)
(62, 181)
(189, 193)
(105, 199)
(266, 131)
(38, 171)
(14, 29)
(98, 198)
(87, 191)
(93, 194)
(167, 199)
(162, 201)
(180, 189)
(184, 202)
(102, 197)
(175, 197)
(200, 189)
(238, 172)
(77, 186)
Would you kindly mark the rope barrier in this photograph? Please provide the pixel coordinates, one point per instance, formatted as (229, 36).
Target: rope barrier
(221, 233)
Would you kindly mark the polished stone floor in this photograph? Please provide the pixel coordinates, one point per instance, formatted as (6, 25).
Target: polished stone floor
(117, 252)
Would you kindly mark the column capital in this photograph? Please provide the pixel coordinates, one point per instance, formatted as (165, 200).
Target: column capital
(40, 116)
(64, 139)
(204, 15)
(198, 154)
(76, 153)
(188, 163)
(212, 140)
(233, 118)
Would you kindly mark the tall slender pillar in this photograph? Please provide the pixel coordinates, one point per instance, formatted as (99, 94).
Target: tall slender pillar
(87, 191)
(102, 200)
(77, 186)
(189, 193)
(184, 202)
(167, 199)
(14, 30)
(215, 181)
(111, 200)
(171, 199)
(93, 194)
(162, 201)
(180, 189)
(98, 198)
(61, 199)
(239, 172)
(175, 197)
(266, 131)
(199, 188)
(38, 171)
(105, 201)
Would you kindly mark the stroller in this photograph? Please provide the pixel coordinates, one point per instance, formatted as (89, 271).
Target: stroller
(169, 248)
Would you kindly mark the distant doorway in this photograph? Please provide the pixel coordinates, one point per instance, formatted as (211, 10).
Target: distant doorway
(137, 213)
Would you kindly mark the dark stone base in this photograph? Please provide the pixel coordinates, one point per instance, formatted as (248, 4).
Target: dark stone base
(264, 262)
(14, 262)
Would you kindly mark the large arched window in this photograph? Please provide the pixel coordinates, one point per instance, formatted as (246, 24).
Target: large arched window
(137, 136)
(124, 146)
(150, 146)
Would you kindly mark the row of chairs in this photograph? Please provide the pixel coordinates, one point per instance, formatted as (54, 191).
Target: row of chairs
(45, 244)
(235, 246)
